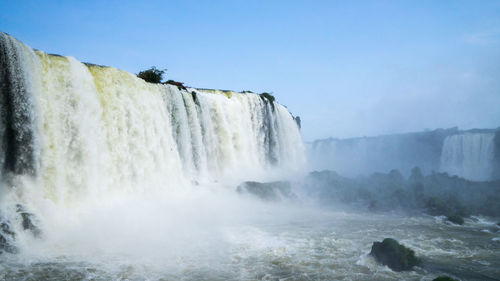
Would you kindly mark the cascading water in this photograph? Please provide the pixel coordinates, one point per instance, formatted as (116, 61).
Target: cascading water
(367, 155)
(468, 155)
(75, 136)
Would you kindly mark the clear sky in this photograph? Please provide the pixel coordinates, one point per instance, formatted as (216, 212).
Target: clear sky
(348, 68)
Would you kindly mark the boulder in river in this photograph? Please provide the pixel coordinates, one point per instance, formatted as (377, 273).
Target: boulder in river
(396, 256)
(268, 191)
(444, 278)
(456, 219)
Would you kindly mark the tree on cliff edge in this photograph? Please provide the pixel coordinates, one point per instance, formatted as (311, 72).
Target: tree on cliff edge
(152, 75)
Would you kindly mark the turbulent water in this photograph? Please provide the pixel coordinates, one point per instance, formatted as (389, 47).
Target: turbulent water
(469, 155)
(282, 244)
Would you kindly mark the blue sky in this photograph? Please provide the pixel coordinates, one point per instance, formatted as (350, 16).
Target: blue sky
(348, 68)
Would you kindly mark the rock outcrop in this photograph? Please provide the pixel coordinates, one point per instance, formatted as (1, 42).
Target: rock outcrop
(268, 191)
(396, 256)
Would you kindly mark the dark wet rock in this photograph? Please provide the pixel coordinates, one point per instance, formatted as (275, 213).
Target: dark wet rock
(7, 237)
(180, 85)
(298, 121)
(7, 233)
(28, 220)
(17, 122)
(396, 256)
(269, 191)
(444, 278)
(456, 219)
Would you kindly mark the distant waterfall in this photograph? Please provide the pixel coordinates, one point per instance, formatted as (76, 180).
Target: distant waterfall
(469, 155)
(367, 155)
(76, 130)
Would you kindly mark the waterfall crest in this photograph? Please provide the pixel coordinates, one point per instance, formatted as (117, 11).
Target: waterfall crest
(78, 130)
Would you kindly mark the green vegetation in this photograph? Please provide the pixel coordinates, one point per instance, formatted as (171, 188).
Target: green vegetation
(437, 194)
(396, 256)
(267, 97)
(179, 85)
(155, 75)
(152, 75)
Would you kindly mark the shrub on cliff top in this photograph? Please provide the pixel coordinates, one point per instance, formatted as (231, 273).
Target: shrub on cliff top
(152, 75)
(267, 96)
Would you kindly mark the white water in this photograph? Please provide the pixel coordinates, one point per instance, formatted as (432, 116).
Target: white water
(468, 155)
(113, 166)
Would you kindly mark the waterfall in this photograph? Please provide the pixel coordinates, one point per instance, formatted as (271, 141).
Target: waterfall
(367, 155)
(468, 155)
(72, 132)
